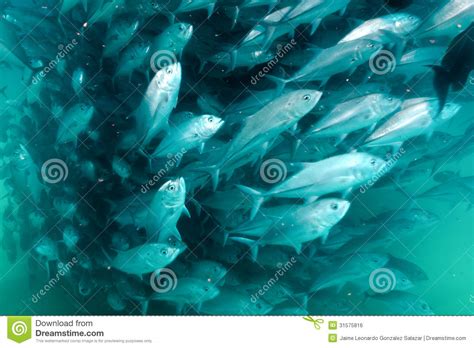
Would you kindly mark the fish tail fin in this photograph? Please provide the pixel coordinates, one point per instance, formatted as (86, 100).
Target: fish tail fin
(235, 16)
(197, 205)
(257, 197)
(269, 32)
(225, 237)
(280, 82)
(214, 172)
(252, 244)
(441, 84)
(210, 9)
(106, 254)
(142, 152)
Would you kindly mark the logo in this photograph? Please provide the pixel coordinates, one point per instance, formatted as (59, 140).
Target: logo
(316, 322)
(19, 328)
(54, 170)
(382, 280)
(163, 280)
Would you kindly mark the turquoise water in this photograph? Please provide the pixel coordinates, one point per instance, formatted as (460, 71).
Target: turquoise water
(36, 128)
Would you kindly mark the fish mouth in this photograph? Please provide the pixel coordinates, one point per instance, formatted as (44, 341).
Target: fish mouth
(189, 32)
(345, 205)
(220, 123)
(181, 183)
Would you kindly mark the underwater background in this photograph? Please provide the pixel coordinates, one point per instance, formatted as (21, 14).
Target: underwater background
(133, 217)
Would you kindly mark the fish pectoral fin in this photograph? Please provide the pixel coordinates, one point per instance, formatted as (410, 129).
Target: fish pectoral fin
(297, 247)
(310, 199)
(186, 211)
(257, 198)
(201, 148)
(251, 243)
(314, 25)
(346, 193)
(340, 139)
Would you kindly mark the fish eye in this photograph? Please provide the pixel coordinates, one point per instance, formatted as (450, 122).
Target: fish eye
(334, 206)
(373, 161)
(164, 252)
(172, 188)
(353, 60)
(390, 99)
(206, 289)
(210, 119)
(181, 27)
(307, 97)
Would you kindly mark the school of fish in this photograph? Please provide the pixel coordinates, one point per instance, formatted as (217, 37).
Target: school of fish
(203, 156)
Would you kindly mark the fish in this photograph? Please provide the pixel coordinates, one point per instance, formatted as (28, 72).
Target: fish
(211, 271)
(398, 24)
(413, 120)
(345, 56)
(78, 80)
(165, 209)
(171, 43)
(194, 5)
(188, 291)
(74, 122)
(145, 258)
(410, 269)
(356, 114)
(263, 126)
(190, 134)
(404, 302)
(70, 237)
(453, 17)
(131, 58)
(292, 227)
(233, 302)
(121, 167)
(105, 12)
(335, 174)
(456, 65)
(349, 269)
(158, 102)
(119, 35)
